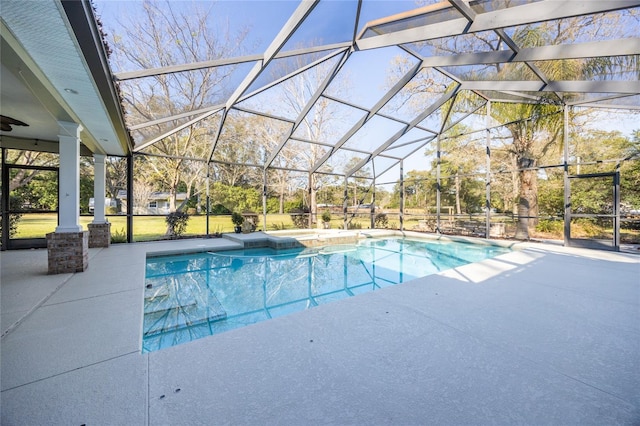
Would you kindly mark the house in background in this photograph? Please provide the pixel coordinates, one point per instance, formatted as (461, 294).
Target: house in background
(152, 203)
(108, 202)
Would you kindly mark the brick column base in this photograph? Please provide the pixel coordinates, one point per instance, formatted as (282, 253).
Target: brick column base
(68, 252)
(99, 234)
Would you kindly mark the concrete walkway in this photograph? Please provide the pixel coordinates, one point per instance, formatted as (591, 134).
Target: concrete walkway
(545, 335)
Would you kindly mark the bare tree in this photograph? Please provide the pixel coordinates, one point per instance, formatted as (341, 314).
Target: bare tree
(142, 191)
(319, 123)
(164, 34)
(28, 158)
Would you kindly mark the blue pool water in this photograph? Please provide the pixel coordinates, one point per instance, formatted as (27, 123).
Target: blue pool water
(196, 295)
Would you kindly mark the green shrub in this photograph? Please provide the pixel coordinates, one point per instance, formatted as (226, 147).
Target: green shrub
(119, 236)
(292, 206)
(237, 219)
(176, 223)
(326, 216)
(14, 218)
(550, 226)
(381, 220)
(112, 210)
(587, 227)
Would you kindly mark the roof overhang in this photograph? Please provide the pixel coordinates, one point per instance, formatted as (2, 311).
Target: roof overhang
(54, 68)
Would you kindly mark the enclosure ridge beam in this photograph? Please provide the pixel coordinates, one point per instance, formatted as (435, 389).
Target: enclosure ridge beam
(628, 87)
(608, 106)
(150, 72)
(544, 11)
(603, 98)
(493, 20)
(480, 58)
(623, 87)
(620, 47)
(427, 32)
(377, 107)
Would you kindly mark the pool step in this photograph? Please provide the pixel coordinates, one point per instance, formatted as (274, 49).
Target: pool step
(175, 317)
(166, 302)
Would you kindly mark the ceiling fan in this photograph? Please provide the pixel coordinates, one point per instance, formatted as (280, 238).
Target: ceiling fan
(7, 122)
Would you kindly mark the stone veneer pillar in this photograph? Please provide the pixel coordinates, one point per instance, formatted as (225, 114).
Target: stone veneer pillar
(99, 234)
(68, 252)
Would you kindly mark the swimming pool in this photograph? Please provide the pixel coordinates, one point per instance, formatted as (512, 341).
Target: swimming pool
(196, 295)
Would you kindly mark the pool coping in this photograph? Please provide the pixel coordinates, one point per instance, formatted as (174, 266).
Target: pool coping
(278, 241)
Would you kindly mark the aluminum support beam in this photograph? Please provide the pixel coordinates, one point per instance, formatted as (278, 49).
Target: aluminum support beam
(567, 183)
(626, 87)
(544, 11)
(130, 75)
(493, 20)
(487, 179)
(401, 218)
(438, 161)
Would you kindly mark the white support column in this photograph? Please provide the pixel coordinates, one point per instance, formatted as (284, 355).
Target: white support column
(98, 188)
(69, 178)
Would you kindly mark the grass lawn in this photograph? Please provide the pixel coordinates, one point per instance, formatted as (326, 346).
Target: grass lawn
(37, 225)
(145, 228)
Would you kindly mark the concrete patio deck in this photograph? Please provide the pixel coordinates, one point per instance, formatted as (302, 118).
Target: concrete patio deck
(542, 335)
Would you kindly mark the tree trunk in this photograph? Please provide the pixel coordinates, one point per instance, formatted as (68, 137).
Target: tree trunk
(281, 207)
(528, 198)
(457, 182)
(313, 203)
(172, 199)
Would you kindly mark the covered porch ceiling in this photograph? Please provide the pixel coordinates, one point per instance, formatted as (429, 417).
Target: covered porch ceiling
(54, 69)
